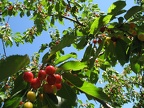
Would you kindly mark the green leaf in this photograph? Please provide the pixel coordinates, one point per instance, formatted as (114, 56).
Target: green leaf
(132, 11)
(116, 7)
(135, 64)
(12, 103)
(19, 84)
(135, 67)
(65, 57)
(82, 43)
(50, 103)
(121, 51)
(11, 65)
(99, 22)
(66, 41)
(86, 87)
(95, 25)
(2, 96)
(73, 65)
(67, 93)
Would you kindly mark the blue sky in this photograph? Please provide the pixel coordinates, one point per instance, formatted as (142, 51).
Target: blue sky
(18, 24)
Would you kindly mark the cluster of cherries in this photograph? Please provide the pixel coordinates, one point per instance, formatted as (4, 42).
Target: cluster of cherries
(51, 80)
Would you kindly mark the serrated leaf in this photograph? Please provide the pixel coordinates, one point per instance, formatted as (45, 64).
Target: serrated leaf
(65, 57)
(116, 7)
(133, 10)
(73, 65)
(86, 87)
(67, 93)
(12, 64)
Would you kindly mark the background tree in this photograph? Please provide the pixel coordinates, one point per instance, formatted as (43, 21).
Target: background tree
(56, 78)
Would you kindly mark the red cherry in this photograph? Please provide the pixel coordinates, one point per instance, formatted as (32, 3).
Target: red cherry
(58, 78)
(102, 29)
(99, 41)
(50, 69)
(49, 88)
(21, 102)
(51, 79)
(94, 41)
(42, 74)
(58, 86)
(28, 76)
(35, 83)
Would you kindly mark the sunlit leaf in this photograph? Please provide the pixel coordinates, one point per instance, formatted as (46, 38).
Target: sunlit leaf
(116, 7)
(135, 67)
(73, 65)
(65, 57)
(12, 64)
(99, 22)
(66, 41)
(13, 102)
(86, 87)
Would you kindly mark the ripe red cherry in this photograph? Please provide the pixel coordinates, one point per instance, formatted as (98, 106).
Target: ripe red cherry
(51, 79)
(49, 88)
(94, 41)
(42, 74)
(50, 69)
(35, 83)
(58, 78)
(58, 86)
(102, 29)
(28, 76)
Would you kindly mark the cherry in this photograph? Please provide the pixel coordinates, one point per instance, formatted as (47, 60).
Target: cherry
(42, 74)
(10, 7)
(102, 29)
(21, 103)
(99, 41)
(51, 79)
(58, 78)
(49, 88)
(31, 96)
(35, 83)
(58, 86)
(94, 41)
(28, 76)
(28, 105)
(50, 69)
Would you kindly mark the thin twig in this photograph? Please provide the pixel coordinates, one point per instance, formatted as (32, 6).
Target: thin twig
(76, 21)
(105, 105)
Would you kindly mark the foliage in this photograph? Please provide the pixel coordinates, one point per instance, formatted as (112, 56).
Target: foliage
(107, 39)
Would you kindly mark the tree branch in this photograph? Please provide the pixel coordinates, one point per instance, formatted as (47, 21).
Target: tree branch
(76, 21)
(105, 105)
